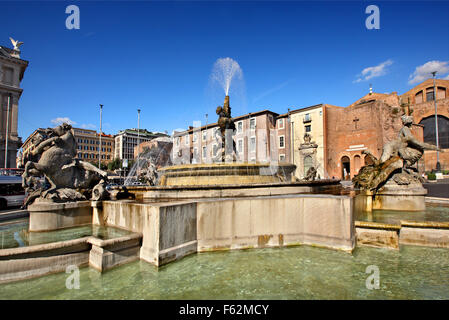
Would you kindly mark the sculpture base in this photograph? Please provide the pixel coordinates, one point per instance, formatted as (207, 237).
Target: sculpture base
(46, 216)
(393, 197)
(232, 173)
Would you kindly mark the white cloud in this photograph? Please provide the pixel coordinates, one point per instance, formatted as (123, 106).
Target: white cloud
(424, 71)
(373, 72)
(61, 120)
(88, 126)
(446, 77)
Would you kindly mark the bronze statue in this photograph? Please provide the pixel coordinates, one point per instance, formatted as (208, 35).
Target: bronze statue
(69, 179)
(227, 130)
(396, 161)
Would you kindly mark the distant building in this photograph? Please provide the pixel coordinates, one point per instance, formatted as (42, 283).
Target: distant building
(88, 144)
(308, 151)
(256, 140)
(12, 69)
(126, 140)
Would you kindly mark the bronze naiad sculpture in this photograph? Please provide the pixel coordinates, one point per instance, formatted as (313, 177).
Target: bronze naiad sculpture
(396, 161)
(69, 178)
(227, 130)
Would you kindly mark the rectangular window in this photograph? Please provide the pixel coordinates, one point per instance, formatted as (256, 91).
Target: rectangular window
(240, 146)
(307, 117)
(240, 127)
(177, 141)
(281, 142)
(186, 140)
(282, 157)
(215, 149)
(308, 128)
(194, 137)
(252, 123)
(204, 135)
(204, 152)
(281, 123)
(252, 144)
(429, 95)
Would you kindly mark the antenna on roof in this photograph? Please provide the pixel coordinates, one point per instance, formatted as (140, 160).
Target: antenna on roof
(370, 89)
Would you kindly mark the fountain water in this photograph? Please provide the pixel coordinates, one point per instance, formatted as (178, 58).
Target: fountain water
(151, 159)
(224, 70)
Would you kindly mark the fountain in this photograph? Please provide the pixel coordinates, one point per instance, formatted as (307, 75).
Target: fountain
(390, 203)
(185, 209)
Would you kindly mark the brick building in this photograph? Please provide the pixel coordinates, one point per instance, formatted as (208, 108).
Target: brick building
(423, 106)
(374, 120)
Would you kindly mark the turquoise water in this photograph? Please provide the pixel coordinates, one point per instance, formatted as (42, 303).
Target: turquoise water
(13, 235)
(281, 273)
(432, 213)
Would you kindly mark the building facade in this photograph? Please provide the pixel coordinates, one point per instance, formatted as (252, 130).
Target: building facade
(308, 140)
(126, 140)
(256, 140)
(87, 145)
(422, 103)
(12, 69)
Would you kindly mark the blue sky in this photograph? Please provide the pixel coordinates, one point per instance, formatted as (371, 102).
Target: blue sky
(158, 56)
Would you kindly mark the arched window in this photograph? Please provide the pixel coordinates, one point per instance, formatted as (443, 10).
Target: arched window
(419, 97)
(345, 168)
(357, 163)
(308, 163)
(443, 130)
(429, 94)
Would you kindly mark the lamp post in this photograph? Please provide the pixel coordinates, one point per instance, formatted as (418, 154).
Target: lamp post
(138, 142)
(7, 130)
(99, 148)
(438, 166)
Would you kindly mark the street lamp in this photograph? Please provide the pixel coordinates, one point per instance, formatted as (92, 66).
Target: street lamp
(438, 167)
(99, 148)
(138, 142)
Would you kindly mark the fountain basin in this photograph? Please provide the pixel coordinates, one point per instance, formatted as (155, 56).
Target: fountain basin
(104, 249)
(232, 173)
(47, 216)
(324, 186)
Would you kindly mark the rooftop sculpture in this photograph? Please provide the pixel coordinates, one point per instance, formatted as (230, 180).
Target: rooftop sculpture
(69, 178)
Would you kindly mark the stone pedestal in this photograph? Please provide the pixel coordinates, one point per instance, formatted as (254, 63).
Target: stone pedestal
(393, 197)
(47, 216)
(400, 197)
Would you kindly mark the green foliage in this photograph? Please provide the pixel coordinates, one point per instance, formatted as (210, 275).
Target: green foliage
(114, 164)
(431, 176)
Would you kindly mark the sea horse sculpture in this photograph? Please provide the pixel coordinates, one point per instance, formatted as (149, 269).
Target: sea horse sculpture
(396, 161)
(69, 178)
